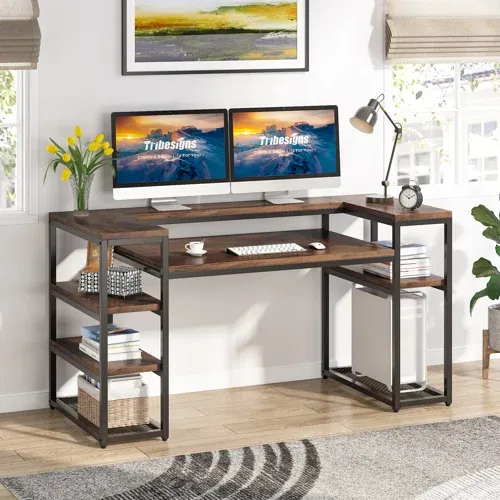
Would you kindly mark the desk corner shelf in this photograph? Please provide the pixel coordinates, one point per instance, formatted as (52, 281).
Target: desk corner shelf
(141, 241)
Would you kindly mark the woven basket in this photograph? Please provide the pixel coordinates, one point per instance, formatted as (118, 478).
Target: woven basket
(126, 412)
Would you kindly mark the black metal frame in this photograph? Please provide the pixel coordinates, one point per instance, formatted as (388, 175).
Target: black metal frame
(430, 394)
(126, 72)
(395, 400)
(102, 433)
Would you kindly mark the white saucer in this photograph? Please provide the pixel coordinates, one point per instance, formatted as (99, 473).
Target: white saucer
(203, 252)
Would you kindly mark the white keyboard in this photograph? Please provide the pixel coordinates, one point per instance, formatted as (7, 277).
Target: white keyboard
(266, 249)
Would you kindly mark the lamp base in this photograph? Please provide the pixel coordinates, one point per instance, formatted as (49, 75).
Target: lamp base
(380, 199)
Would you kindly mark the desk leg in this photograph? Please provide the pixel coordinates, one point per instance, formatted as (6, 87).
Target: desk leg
(52, 314)
(325, 322)
(396, 318)
(373, 231)
(448, 310)
(103, 344)
(164, 341)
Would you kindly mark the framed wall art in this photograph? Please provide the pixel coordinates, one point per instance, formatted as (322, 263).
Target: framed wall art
(215, 36)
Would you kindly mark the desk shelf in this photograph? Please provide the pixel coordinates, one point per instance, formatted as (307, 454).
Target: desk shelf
(357, 275)
(68, 349)
(67, 291)
(69, 407)
(339, 249)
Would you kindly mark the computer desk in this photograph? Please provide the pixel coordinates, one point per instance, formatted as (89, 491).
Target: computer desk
(140, 240)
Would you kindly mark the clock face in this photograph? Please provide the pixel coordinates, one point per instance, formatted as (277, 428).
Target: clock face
(408, 198)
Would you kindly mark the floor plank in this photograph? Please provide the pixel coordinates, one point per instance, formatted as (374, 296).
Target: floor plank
(44, 440)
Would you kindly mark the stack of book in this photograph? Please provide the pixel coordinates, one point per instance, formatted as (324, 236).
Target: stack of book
(123, 343)
(414, 262)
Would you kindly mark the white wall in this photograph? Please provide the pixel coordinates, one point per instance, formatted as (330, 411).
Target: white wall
(228, 330)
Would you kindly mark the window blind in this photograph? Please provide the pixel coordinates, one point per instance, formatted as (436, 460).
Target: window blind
(20, 36)
(442, 30)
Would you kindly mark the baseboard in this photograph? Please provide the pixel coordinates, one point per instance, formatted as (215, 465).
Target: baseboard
(236, 378)
(24, 401)
(460, 354)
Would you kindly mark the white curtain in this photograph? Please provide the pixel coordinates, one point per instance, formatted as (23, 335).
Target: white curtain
(442, 30)
(20, 36)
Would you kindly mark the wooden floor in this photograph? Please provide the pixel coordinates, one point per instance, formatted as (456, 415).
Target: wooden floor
(44, 440)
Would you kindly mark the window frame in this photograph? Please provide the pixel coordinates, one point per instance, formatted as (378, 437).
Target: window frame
(460, 188)
(27, 172)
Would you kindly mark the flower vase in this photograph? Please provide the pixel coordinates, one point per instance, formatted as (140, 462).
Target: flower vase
(81, 190)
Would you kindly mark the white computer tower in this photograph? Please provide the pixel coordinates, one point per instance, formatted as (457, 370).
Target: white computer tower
(372, 336)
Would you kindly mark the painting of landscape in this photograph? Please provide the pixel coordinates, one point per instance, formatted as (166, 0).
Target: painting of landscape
(215, 30)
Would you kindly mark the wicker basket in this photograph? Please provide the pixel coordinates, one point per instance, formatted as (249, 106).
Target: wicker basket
(126, 409)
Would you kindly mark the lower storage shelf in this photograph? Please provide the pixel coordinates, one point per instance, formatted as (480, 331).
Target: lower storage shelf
(379, 391)
(69, 407)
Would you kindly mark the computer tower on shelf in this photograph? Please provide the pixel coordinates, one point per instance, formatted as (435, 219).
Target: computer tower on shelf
(372, 336)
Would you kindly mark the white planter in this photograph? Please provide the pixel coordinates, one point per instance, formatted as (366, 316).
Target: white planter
(494, 326)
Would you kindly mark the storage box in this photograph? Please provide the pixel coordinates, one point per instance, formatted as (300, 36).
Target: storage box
(126, 407)
(122, 281)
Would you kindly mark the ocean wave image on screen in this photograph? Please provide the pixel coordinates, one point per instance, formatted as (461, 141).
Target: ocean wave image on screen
(179, 148)
(281, 144)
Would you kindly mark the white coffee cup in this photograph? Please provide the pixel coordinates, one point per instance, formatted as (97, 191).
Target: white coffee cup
(195, 246)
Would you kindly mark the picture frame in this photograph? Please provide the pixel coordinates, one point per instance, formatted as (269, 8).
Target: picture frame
(177, 40)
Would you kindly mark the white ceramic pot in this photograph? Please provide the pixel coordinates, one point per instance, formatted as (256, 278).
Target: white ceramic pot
(494, 326)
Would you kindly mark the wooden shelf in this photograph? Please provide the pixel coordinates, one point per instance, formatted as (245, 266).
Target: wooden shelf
(357, 272)
(116, 305)
(339, 249)
(144, 222)
(68, 349)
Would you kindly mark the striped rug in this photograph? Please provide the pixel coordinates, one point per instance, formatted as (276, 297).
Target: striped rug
(457, 460)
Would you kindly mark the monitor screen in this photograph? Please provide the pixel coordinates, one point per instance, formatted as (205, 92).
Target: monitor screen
(284, 143)
(168, 148)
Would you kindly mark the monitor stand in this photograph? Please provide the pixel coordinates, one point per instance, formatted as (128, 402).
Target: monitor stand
(167, 205)
(282, 198)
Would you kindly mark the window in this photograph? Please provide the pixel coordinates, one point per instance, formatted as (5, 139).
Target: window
(450, 115)
(16, 135)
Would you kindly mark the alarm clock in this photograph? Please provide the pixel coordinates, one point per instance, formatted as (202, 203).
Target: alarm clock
(411, 196)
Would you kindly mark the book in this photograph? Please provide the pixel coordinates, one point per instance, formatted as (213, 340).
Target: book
(125, 347)
(118, 383)
(116, 334)
(407, 249)
(118, 356)
(422, 273)
(405, 264)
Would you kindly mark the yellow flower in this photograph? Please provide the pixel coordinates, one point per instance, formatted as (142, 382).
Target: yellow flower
(99, 138)
(51, 149)
(66, 157)
(108, 152)
(66, 174)
(78, 132)
(105, 145)
(94, 146)
(71, 141)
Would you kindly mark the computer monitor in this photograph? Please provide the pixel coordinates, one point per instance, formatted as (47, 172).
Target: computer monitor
(168, 154)
(284, 149)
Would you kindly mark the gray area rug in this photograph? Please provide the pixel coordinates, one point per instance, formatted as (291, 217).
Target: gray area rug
(453, 460)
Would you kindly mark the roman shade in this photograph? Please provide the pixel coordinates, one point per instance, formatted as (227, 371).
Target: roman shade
(442, 30)
(19, 34)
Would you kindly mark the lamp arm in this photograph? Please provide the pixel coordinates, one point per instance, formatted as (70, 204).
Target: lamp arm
(398, 129)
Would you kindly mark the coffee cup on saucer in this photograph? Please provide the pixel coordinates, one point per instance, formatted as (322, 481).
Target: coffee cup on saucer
(196, 248)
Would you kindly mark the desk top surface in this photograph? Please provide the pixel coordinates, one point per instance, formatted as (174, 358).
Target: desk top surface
(339, 249)
(144, 222)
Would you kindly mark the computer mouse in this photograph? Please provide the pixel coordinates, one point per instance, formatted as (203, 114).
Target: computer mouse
(317, 246)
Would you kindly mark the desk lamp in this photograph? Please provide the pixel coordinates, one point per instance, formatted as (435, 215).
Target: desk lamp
(365, 120)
